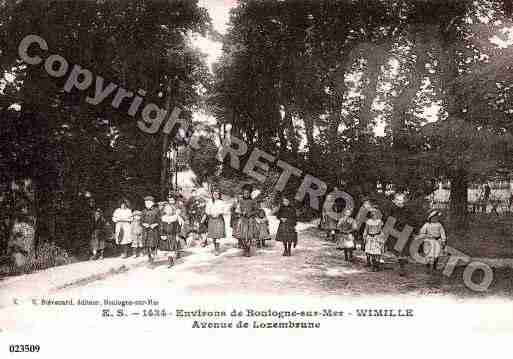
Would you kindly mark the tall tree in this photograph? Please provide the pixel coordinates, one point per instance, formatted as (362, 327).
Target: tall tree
(135, 44)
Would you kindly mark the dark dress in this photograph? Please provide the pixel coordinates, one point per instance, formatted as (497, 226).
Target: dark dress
(185, 227)
(170, 230)
(151, 236)
(234, 218)
(99, 233)
(287, 230)
(195, 208)
(361, 229)
(403, 217)
(216, 227)
(246, 226)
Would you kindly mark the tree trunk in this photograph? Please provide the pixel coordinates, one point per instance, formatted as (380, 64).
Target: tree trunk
(458, 199)
(283, 139)
(369, 91)
(281, 132)
(164, 169)
(404, 101)
(172, 90)
(310, 140)
(293, 139)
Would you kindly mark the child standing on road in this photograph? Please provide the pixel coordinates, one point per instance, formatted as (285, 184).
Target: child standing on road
(98, 235)
(168, 232)
(374, 239)
(136, 230)
(346, 226)
(215, 211)
(262, 228)
(122, 217)
(435, 239)
(287, 228)
(195, 208)
(235, 212)
(150, 221)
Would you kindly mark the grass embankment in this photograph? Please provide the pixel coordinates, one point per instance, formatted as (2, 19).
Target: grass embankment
(487, 235)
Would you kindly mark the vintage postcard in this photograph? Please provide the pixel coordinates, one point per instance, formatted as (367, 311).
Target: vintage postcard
(256, 177)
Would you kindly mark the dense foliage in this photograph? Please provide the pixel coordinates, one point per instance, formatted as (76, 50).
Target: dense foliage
(67, 146)
(318, 78)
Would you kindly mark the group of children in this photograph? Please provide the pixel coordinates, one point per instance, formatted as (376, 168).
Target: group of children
(432, 234)
(160, 226)
(163, 227)
(169, 225)
(249, 221)
(260, 224)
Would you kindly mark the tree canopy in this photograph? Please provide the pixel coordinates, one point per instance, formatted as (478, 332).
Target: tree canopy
(350, 86)
(71, 146)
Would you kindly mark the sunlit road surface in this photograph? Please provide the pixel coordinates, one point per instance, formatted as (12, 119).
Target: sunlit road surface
(179, 304)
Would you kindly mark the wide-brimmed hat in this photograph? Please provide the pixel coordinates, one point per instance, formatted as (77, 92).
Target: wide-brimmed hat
(433, 213)
(373, 209)
(149, 198)
(399, 199)
(247, 187)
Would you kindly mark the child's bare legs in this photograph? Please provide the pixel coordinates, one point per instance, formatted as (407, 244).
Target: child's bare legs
(288, 248)
(247, 247)
(152, 253)
(376, 262)
(216, 246)
(369, 260)
(348, 254)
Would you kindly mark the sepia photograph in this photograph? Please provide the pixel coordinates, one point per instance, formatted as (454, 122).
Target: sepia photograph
(256, 178)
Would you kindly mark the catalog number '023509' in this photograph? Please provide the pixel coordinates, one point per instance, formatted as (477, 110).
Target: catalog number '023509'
(24, 348)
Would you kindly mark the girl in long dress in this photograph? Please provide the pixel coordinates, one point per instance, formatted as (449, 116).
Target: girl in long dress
(169, 226)
(262, 229)
(374, 239)
(98, 235)
(235, 212)
(21, 241)
(346, 226)
(215, 210)
(195, 211)
(184, 226)
(248, 210)
(122, 217)
(136, 231)
(329, 223)
(286, 233)
(435, 239)
(150, 221)
(366, 204)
